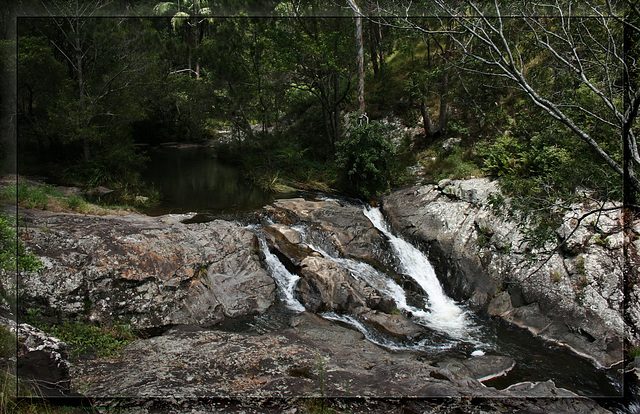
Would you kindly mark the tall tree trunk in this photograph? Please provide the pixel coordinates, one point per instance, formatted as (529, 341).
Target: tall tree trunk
(629, 197)
(373, 48)
(444, 89)
(82, 98)
(444, 103)
(196, 34)
(360, 45)
(426, 121)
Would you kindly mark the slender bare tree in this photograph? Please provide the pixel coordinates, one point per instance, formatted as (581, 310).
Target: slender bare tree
(583, 40)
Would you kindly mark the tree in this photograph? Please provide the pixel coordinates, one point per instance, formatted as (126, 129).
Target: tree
(243, 73)
(577, 62)
(358, 18)
(74, 46)
(577, 41)
(191, 16)
(317, 55)
(109, 65)
(364, 158)
(41, 79)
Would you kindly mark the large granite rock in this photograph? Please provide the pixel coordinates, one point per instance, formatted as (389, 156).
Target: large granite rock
(149, 271)
(340, 228)
(313, 358)
(41, 360)
(573, 297)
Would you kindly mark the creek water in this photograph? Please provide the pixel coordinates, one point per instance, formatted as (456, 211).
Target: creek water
(194, 180)
(454, 331)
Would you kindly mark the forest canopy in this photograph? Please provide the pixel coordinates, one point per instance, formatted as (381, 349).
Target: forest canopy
(544, 96)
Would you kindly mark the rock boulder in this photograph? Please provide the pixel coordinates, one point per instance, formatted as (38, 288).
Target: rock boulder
(150, 271)
(572, 296)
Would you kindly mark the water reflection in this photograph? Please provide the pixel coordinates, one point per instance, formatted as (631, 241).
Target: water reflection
(193, 179)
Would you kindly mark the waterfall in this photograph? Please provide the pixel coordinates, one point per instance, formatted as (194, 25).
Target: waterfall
(440, 312)
(284, 279)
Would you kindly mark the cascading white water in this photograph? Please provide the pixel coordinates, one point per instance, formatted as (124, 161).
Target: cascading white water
(284, 279)
(445, 316)
(441, 312)
(371, 336)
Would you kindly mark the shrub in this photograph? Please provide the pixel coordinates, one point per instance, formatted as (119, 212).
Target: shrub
(7, 342)
(77, 203)
(13, 255)
(364, 159)
(30, 196)
(105, 341)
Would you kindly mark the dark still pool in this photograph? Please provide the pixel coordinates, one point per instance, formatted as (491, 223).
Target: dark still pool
(195, 180)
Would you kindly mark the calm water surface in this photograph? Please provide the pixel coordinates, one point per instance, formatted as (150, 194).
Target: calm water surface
(194, 180)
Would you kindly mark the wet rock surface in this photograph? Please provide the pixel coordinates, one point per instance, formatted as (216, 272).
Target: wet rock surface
(574, 297)
(161, 273)
(150, 271)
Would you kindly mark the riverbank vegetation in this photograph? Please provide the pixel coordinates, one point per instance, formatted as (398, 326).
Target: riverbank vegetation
(546, 101)
(538, 101)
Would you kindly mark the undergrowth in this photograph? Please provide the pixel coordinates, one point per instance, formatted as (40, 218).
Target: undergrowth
(46, 197)
(104, 340)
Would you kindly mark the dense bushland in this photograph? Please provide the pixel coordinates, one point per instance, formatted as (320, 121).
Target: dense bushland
(274, 93)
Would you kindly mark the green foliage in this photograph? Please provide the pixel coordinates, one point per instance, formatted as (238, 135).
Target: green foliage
(41, 79)
(634, 351)
(542, 168)
(113, 165)
(29, 196)
(77, 203)
(363, 158)
(13, 255)
(105, 341)
(321, 368)
(580, 265)
(459, 163)
(503, 157)
(7, 343)
(10, 388)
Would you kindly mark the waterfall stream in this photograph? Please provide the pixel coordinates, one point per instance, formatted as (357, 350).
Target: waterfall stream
(440, 312)
(285, 280)
(449, 322)
(452, 330)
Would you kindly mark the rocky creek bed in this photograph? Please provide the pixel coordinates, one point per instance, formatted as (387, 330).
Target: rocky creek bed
(189, 285)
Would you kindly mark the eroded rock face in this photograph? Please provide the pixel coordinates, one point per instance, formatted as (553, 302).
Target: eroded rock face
(42, 360)
(574, 298)
(347, 231)
(149, 271)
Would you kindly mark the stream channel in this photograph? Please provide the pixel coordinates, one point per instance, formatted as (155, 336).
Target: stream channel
(194, 180)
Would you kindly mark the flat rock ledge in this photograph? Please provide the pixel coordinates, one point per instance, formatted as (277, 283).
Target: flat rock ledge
(312, 359)
(150, 271)
(574, 298)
